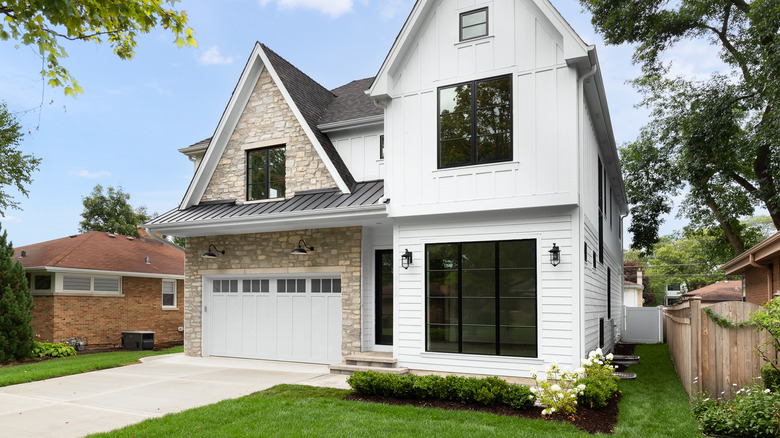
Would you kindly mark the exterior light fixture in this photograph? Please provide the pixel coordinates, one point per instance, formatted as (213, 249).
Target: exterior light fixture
(406, 259)
(212, 255)
(555, 255)
(302, 248)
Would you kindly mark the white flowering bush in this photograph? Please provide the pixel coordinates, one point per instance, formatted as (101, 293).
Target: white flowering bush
(556, 391)
(752, 412)
(597, 374)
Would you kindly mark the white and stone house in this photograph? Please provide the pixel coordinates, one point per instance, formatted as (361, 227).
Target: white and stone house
(422, 204)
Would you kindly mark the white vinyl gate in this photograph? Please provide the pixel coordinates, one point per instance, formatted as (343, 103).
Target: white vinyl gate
(643, 325)
(292, 318)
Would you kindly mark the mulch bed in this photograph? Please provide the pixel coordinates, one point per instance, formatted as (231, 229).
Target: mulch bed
(588, 420)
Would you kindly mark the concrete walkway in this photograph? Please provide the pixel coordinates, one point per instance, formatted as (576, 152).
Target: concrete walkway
(99, 401)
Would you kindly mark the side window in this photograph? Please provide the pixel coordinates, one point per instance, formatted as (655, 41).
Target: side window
(473, 24)
(265, 173)
(475, 122)
(169, 293)
(602, 182)
(381, 147)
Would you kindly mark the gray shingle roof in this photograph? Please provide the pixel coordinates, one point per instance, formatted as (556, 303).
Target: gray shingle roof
(351, 103)
(363, 194)
(312, 99)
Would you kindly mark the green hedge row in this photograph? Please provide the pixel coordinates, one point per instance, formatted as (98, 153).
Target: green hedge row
(466, 390)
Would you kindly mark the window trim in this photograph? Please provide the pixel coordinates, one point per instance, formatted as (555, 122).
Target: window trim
(470, 12)
(472, 110)
(497, 269)
(174, 306)
(266, 150)
(59, 287)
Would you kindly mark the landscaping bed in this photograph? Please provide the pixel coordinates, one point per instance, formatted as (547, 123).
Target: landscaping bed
(589, 420)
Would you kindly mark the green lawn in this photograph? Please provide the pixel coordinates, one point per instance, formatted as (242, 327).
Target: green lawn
(654, 405)
(64, 366)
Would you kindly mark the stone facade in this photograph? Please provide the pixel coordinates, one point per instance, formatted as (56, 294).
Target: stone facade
(336, 250)
(267, 120)
(100, 320)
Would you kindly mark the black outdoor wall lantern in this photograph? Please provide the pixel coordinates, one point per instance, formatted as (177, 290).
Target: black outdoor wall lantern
(555, 255)
(302, 248)
(406, 259)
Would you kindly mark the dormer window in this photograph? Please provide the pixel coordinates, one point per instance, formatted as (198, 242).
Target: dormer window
(473, 24)
(265, 173)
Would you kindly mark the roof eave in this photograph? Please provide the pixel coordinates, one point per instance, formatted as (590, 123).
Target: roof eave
(363, 122)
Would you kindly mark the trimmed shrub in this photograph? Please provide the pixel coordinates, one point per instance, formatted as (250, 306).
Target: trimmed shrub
(599, 390)
(771, 377)
(47, 349)
(467, 390)
(753, 412)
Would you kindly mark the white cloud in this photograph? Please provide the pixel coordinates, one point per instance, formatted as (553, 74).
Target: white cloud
(10, 219)
(334, 8)
(213, 57)
(91, 175)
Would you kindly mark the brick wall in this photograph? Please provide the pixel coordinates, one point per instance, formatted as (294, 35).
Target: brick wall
(100, 320)
(757, 289)
(337, 250)
(266, 118)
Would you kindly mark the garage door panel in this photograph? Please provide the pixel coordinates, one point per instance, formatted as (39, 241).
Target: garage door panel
(296, 324)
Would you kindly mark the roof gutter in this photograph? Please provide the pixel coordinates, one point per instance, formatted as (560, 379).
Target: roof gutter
(103, 272)
(363, 122)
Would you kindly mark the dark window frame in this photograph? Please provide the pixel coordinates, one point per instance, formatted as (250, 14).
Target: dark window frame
(496, 296)
(474, 136)
(609, 293)
(472, 12)
(382, 147)
(602, 203)
(267, 182)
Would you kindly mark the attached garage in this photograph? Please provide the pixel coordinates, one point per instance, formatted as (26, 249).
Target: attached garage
(291, 318)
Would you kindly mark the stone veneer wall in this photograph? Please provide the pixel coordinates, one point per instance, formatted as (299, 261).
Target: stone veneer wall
(267, 117)
(336, 250)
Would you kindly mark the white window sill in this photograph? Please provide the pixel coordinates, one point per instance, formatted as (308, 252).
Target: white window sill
(473, 40)
(260, 201)
(169, 308)
(477, 168)
(79, 294)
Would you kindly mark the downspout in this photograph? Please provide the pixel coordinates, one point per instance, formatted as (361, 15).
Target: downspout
(581, 274)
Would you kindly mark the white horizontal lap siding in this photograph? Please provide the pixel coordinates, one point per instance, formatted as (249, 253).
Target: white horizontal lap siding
(556, 295)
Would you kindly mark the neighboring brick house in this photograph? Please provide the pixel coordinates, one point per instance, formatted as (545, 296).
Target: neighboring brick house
(94, 286)
(760, 266)
(717, 292)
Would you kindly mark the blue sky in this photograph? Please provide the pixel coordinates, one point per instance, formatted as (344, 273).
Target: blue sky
(126, 127)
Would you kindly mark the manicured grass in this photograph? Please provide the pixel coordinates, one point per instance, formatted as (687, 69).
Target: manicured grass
(655, 405)
(64, 366)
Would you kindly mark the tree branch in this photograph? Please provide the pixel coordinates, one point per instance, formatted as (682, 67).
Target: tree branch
(741, 5)
(742, 181)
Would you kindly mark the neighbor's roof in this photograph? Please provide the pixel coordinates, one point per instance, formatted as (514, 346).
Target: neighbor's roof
(364, 194)
(760, 254)
(101, 251)
(718, 291)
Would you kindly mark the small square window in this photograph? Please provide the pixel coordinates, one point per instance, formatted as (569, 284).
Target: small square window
(473, 24)
(42, 282)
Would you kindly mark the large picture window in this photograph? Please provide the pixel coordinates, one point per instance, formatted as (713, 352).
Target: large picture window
(475, 122)
(265, 173)
(481, 298)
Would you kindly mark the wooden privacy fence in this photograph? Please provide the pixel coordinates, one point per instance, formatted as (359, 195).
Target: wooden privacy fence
(710, 357)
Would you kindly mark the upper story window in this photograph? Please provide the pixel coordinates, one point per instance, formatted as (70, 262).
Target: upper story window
(265, 173)
(473, 24)
(87, 283)
(475, 122)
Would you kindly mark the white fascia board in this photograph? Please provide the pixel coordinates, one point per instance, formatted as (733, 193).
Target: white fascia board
(596, 97)
(54, 269)
(379, 87)
(277, 222)
(362, 122)
(304, 125)
(554, 16)
(224, 130)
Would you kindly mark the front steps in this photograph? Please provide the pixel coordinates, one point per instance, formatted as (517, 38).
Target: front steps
(380, 362)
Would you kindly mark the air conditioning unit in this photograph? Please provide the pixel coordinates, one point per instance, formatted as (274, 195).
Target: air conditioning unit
(138, 340)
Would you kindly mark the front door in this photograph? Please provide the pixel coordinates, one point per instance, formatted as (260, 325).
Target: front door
(384, 296)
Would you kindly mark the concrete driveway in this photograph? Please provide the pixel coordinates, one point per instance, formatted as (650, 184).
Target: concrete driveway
(99, 401)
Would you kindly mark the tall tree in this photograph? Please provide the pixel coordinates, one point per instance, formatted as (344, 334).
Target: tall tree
(16, 304)
(15, 168)
(111, 212)
(718, 138)
(44, 24)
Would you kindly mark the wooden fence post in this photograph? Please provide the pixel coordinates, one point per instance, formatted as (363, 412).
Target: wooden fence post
(696, 365)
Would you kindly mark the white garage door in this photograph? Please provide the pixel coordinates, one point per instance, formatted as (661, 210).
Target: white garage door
(292, 318)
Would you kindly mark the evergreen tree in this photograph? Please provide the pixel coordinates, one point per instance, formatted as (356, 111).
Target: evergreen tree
(16, 303)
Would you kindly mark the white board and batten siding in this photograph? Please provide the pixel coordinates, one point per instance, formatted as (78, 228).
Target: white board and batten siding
(521, 43)
(359, 148)
(557, 296)
(373, 239)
